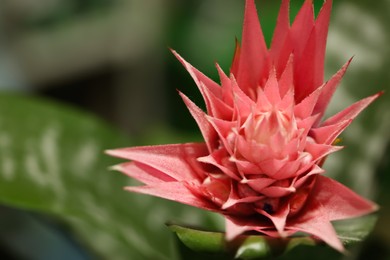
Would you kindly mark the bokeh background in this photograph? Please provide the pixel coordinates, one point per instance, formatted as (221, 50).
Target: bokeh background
(112, 58)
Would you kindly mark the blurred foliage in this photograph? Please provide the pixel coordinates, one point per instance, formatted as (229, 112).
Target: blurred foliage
(62, 12)
(52, 161)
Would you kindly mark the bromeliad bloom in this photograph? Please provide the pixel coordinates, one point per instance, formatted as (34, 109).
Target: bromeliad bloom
(265, 140)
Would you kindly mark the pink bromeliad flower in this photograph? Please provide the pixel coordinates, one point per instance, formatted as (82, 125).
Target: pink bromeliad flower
(265, 140)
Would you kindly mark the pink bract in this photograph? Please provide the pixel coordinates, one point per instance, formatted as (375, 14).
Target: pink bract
(265, 140)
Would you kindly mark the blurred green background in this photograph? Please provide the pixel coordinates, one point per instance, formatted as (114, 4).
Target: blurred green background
(111, 59)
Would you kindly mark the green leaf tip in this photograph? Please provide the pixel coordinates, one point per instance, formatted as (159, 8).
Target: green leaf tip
(355, 230)
(200, 241)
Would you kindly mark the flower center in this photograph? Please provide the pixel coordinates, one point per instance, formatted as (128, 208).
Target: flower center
(264, 126)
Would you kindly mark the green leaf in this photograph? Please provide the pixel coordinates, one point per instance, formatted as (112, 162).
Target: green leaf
(200, 241)
(261, 247)
(355, 230)
(52, 161)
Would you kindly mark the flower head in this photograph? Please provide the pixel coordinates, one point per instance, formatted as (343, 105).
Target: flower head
(265, 140)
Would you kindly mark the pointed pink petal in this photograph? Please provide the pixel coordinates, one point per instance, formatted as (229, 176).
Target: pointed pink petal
(278, 143)
(199, 76)
(262, 102)
(232, 201)
(321, 36)
(175, 191)
(245, 167)
(288, 170)
(305, 173)
(224, 130)
(279, 218)
(213, 160)
(302, 27)
(253, 52)
(300, 32)
(327, 134)
(285, 53)
(307, 124)
(252, 151)
(142, 173)
(314, 219)
(328, 201)
(317, 224)
(205, 84)
(271, 166)
(319, 151)
(328, 91)
(280, 34)
(271, 89)
(305, 108)
(339, 201)
(216, 188)
(233, 230)
(310, 69)
(236, 59)
(236, 226)
(238, 203)
(175, 160)
(302, 180)
(277, 192)
(259, 184)
(352, 111)
(227, 90)
(217, 107)
(286, 81)
(287, 104)
(291, 148)
(208, 132)
(242, 102)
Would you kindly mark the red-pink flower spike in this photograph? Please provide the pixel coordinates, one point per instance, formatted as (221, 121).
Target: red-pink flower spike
(265, 142)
